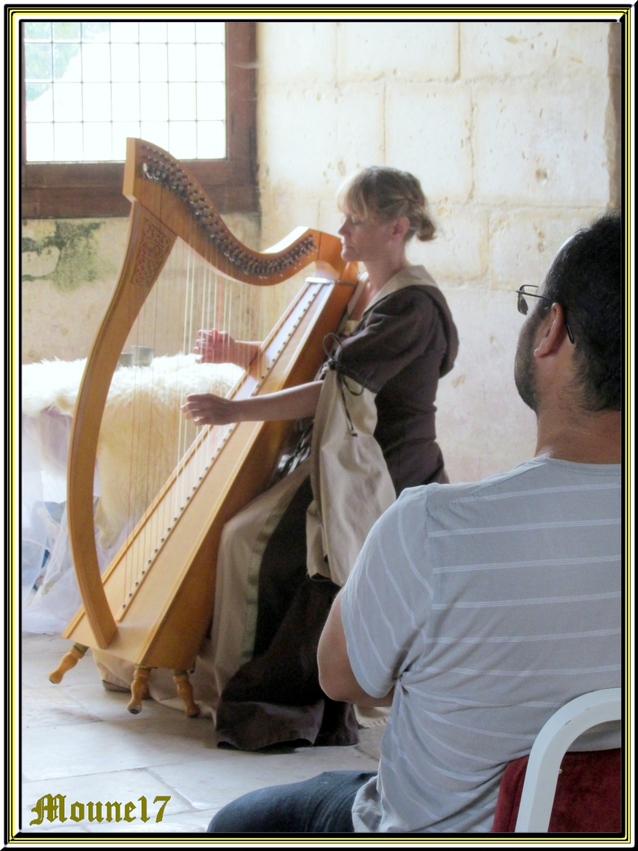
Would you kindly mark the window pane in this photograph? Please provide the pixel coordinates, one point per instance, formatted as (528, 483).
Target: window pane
(96, 102)
(38, 62)
(95, 31)
(39, 102)
(153, 64)
(210, 32)
(152, 31)
(67, 102)
(40, 144)
(183, 140)
(67, 142)
(181, 62)
(39, 31)
(124, 32)
(181, 101)
(211, 101)
(154, 102)
(67, 62)
(96, 63)
(67, 31)
(210, 62)
(181, 32)
(211, 140)
(97, 141)
(126, 101)
(125, 63)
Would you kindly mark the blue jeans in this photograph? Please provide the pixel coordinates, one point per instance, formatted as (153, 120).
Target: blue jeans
(322, 804)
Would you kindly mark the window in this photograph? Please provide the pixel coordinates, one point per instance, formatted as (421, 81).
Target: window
(187, 86)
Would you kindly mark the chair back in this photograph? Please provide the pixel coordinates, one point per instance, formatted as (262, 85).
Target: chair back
(551, 790)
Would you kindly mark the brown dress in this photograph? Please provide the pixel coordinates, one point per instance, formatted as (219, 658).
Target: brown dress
(405, 341)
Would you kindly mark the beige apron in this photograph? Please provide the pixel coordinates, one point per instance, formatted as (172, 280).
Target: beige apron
(350, 479)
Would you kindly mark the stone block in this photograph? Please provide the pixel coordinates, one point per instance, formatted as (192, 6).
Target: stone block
(459, 253)
(393, 50)
(533, 48)
(293, 52)
(312, 139)
(483, 427)
(541, 144)
(523, 243)
(428, 134)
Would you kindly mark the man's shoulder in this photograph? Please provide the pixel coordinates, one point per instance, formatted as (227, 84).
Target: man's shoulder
(537, 474)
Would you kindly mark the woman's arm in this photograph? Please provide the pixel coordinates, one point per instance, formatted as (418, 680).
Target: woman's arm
(293, 404)
(219, 347)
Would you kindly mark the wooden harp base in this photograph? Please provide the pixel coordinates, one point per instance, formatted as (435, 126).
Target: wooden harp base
(139, 686)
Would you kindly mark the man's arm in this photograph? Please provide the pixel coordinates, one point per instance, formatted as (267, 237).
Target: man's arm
(335, 672)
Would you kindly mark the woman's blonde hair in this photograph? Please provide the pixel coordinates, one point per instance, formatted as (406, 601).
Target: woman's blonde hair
(387, 194)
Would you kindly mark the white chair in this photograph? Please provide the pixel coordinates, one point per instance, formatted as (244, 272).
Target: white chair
(549, 748)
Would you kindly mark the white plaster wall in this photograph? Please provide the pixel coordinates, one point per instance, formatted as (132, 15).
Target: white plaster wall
(504, 124)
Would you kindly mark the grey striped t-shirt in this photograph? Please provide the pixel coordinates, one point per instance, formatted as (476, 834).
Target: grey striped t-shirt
(490, 605)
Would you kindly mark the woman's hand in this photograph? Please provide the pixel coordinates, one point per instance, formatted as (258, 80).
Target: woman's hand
(219, 347)
(207, 409)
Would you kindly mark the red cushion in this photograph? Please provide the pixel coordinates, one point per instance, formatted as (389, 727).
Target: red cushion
(587, 794)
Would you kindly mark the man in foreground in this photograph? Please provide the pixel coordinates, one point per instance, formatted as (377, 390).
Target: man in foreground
(477, 610)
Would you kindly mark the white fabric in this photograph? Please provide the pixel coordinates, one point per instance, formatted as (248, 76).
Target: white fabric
(490, 605)
(142, 412)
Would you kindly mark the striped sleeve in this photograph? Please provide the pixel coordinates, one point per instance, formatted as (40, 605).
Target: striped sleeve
(387, 598)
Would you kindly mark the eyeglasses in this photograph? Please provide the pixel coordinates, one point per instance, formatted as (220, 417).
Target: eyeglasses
(524, 292)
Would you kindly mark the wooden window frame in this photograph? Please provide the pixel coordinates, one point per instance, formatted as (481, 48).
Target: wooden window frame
(87, 190)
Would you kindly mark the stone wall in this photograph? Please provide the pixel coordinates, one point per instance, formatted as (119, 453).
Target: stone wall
(510, 128)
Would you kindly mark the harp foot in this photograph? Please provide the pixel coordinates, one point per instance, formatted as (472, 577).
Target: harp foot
(69, 660)
(185, 691)
(139, 689)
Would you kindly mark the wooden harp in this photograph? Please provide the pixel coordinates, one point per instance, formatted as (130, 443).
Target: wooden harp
(159, 616)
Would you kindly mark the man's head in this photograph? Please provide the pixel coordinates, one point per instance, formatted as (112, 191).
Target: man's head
(585, 279)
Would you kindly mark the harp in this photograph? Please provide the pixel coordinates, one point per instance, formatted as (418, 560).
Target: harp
(155, 614)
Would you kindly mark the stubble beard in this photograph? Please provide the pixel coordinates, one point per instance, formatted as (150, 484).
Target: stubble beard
(525, 365)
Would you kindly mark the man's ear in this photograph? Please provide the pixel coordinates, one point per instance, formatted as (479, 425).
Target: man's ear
(553, 332)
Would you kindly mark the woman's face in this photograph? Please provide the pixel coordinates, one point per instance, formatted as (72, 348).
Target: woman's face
(363, 239)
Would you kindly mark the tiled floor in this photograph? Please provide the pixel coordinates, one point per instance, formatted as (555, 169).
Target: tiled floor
(79, 741)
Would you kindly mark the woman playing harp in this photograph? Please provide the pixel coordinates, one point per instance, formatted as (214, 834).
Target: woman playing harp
(283, 558)
(153, 603)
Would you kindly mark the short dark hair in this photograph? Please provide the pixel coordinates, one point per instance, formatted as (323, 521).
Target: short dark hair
(586, 279)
